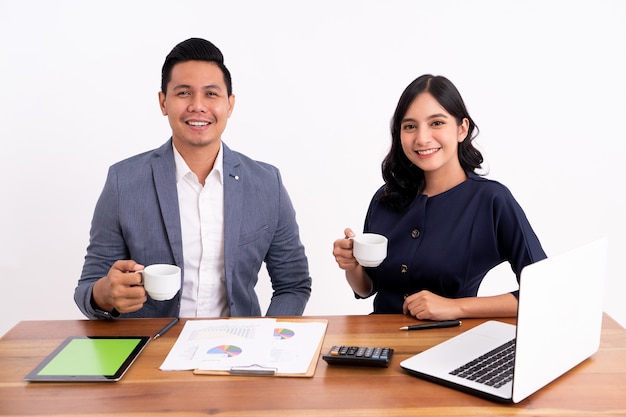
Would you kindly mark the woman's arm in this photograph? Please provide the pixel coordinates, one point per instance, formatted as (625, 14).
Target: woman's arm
(425, 305)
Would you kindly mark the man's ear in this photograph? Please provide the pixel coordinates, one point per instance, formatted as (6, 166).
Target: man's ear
(162, 103)
(231, 104)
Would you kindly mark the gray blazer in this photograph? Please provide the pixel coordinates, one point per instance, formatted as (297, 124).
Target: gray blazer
(137, 217)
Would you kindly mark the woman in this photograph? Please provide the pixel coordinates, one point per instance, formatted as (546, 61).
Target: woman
(446, 225)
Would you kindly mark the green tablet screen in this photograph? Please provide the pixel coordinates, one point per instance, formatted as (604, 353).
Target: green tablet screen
(89, 359)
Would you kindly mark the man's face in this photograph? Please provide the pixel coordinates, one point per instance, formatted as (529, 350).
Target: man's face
(197, 104)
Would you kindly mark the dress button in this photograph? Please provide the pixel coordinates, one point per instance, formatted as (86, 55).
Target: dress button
(404, 269)
(415, 233)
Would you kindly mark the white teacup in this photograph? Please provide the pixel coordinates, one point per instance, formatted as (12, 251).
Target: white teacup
(369, 249)
(161, 281)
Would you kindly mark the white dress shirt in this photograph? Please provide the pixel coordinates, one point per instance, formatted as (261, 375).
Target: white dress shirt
(202, 226)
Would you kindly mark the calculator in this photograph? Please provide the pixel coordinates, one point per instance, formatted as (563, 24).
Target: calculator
(359, 356)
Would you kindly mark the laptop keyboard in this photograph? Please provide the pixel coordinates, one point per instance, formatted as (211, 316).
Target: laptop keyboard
(494, 368)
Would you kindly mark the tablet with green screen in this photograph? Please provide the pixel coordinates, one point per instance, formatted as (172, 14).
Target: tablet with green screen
(89, 358)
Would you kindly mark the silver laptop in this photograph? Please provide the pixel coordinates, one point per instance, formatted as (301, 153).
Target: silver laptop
(559, 322)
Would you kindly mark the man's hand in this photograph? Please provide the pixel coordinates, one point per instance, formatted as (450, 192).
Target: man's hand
(121, 288)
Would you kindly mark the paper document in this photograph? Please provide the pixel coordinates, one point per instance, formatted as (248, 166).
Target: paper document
(294, 345)
(222, 345)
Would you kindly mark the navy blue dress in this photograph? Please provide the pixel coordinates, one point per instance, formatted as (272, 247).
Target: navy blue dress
(447, 243)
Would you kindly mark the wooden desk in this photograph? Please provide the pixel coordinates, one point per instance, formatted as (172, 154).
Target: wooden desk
(596, 387)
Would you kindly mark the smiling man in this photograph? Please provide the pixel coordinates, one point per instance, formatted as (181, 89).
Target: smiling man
(195, 203)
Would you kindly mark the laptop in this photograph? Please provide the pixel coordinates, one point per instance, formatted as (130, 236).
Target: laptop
(559, 322)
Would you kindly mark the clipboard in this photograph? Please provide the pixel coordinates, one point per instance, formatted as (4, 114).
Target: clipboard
(259, 370)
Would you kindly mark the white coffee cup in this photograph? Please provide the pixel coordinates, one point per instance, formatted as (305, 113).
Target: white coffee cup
(369, 249)
(161, 281)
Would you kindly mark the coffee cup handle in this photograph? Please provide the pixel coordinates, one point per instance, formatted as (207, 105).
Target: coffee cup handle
(140, 273)
(352, 239)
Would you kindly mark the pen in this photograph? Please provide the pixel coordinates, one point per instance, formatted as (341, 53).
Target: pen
(435, 325)
(166, 328)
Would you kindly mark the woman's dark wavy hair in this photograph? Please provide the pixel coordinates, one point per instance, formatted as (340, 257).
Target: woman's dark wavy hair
(403, 180)
(194, 49)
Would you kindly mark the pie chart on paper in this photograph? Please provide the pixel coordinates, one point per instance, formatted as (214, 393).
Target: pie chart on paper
(228, 350)
(283, 334)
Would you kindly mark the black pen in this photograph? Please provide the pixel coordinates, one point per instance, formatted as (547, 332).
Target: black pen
(434, 325)
(166, 328)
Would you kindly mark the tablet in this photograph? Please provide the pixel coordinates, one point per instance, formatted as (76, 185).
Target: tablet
(89, 358)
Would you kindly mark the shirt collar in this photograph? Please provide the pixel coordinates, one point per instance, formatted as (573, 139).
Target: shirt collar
(182, 169)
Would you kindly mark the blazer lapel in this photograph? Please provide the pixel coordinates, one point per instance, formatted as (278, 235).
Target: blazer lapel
(233, 203)
(164, 174)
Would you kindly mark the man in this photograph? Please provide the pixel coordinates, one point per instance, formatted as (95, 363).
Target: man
(195, 203)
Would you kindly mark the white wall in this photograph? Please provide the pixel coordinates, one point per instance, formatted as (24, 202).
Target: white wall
(316, 85)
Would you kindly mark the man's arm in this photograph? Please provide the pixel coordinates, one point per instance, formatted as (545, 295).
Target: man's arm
(287, 263)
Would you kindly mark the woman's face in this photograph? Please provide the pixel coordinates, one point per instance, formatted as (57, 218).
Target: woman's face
(430, 137)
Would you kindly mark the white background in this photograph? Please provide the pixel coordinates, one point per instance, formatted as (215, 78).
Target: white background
(316, 84)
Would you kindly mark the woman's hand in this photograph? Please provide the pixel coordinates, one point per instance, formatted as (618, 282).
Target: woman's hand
(356, 276)
(342, 250)
(425, 305)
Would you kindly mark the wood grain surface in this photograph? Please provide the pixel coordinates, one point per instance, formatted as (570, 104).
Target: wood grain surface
(595, 387)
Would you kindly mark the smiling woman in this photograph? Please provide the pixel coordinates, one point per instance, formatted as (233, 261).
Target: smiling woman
(431, 149)
(446, 226)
